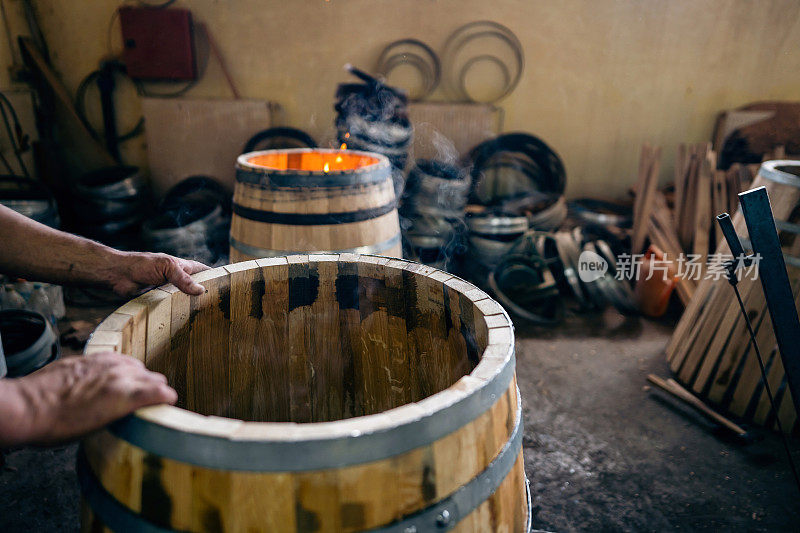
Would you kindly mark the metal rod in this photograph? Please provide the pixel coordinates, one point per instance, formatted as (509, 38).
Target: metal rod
(775, 282)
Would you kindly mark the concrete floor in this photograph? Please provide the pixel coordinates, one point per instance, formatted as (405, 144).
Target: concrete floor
(602, 452)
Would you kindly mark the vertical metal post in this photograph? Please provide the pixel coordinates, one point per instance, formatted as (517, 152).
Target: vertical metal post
(775, 281)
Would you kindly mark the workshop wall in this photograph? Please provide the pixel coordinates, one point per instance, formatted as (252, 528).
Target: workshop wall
(600, 78)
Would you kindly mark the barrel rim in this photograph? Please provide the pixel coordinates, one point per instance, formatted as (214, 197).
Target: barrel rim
(351, 441)
(770, 170)
(243, 163)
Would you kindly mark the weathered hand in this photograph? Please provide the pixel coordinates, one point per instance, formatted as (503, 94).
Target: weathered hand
(134, 272)
(76, 395)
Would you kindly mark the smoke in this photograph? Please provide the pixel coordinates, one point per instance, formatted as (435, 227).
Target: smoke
(445, 149)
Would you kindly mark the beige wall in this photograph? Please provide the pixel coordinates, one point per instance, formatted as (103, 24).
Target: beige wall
(601, 76)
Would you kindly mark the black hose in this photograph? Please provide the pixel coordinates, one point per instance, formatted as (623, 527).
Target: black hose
(536, 160)
(80, 104)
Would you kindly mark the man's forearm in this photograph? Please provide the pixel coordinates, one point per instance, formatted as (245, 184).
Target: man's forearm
(14, 414)
(34, 251)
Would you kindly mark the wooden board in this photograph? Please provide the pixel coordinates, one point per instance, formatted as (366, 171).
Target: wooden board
(447, 131)
(186, 137)
(710, 351)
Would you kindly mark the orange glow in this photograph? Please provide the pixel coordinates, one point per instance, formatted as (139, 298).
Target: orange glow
(312, 160)
(343, 146)
(347, 135)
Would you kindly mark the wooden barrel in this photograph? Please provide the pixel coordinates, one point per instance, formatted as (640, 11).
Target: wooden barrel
(313, 200)
(316, 393)
(710, 351)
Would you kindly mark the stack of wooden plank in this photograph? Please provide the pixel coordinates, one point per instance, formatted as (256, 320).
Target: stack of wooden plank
(679, 219)
(710, 351)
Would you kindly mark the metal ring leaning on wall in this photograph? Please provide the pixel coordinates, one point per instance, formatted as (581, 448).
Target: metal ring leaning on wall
(430, 70)
(476, 30)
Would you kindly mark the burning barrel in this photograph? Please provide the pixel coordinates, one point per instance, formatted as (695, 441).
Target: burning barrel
(313, 200)
(316, 393)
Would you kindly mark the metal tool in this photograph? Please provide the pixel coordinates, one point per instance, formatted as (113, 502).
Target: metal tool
(777, 292)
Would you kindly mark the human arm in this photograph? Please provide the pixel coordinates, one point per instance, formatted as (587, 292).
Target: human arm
(34, 251)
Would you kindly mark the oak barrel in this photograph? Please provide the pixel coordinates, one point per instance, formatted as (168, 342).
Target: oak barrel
(333, 392)
(710, 351)
(313, 200)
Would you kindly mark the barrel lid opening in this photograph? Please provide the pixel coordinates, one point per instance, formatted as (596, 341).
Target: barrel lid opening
(784, 171)
(790, 169)
(316, 161)
(473, 391)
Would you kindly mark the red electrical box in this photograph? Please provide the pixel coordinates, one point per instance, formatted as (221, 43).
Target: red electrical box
(159, 43)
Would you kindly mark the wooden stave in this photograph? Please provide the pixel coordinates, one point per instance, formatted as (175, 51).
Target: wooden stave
(508, 490)
(731, 379)
(285, 194)
(118, 331)
(477, 520)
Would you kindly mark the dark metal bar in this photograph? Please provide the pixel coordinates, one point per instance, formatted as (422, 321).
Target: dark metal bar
(775, 282)
(729, 232)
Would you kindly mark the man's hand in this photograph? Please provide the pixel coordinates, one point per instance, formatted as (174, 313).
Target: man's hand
(76, 395)
(133, 272)
(35, 252)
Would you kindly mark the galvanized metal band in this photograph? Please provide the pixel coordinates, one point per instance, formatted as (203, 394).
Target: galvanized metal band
(312, 219)
(42, 350)
(497, 224)
(377, 248)
(787, 226)
(442, 516)
(297, 456)
(770, 171)
(447, 513)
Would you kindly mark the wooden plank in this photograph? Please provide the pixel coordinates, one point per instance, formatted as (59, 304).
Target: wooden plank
(183, 136)
(399, 347)
(137, 310)
(703, 210)
(118, 323)
(348, 294)
(447, 131)
(207, 375)
(373, 370)
(326, 357)
(725, 338)
(157, 333)
(245, 371)
(271, 397)
(646, 186)
(302, 291)
(661, 231)
(681, 168)
(672, 387)
(435, 320)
